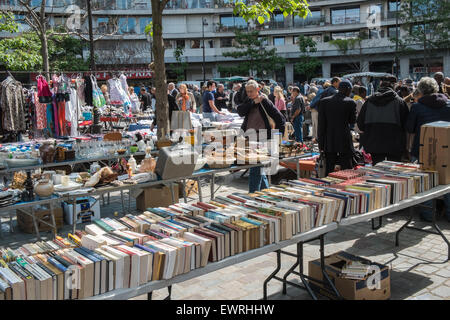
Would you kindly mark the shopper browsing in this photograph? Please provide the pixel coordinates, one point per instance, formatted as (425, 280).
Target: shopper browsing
(210, 110)
(185, 99)
(382, 121)
(297, 110)
(336, 114)
(256, 111)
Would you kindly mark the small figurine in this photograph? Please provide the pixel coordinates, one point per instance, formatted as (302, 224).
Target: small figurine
(129, 170)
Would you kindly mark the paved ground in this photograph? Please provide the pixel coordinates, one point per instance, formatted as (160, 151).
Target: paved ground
(418, 267)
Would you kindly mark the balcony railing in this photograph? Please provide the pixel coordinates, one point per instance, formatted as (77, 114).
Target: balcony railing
(391, 14)
(301, 23)
(224, 28)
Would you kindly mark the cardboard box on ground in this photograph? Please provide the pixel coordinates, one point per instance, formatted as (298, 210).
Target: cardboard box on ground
(156, 196)
(350, 289)
(87, 210)
(25, 221)
(434, 151)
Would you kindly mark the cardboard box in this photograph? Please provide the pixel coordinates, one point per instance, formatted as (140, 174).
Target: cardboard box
(87, 210)
(156, 196)
(434, 151)
(348, 288)
(25, 221)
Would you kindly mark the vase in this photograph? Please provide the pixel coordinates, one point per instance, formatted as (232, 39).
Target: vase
(44, 188)
(47, 151)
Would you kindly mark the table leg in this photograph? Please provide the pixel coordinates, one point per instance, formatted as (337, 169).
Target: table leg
(322, 265)
(298, 168)
(212, 186)
(36, 228)
(74, 215)
(172, 191)
(52, 214)
(200, 197)
(272, 275)
(121, 199)
(184, 191)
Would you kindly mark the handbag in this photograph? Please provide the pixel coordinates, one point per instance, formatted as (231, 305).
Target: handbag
(271, 121)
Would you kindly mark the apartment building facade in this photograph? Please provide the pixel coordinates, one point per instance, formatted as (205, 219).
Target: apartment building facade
(189, 23)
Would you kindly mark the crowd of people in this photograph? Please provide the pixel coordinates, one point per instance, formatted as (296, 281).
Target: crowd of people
(332, 113)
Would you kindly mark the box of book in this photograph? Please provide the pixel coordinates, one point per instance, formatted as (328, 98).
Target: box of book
(87, 210)
(156, 196)
(355, 278)
(25, 221)
(434, 151)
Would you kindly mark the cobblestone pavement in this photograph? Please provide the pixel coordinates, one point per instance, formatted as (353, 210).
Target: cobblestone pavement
(418, 266)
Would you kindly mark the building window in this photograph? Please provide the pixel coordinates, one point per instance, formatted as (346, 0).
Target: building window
(392, 5)
(127, 25)
(143, 22)
(58, 21)
(195, 44)
(168, 44)
(278, 41)
(345, 16)
(124, 4)
(209, 43)
(229, 23)
(344, 35)
(180, 43)
(314, 18)
(226, 42)
(392, 32)
(102, 24)
(315, 37)
(264, 41)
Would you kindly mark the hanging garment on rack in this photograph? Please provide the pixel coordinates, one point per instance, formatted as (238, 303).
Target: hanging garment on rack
(80, 83)
(117, 95)
(12, 105)
(61, 103)
(55, 116)
(41, 113)
(123, 82)
(98, 99)
(44, 93)
(73, 111)
(88, 91)
(50, 124)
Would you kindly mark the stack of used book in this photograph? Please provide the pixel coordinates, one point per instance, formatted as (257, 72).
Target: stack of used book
(356, 270)
(165, 242)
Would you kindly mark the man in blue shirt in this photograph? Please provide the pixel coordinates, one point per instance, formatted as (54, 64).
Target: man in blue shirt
(210, 110)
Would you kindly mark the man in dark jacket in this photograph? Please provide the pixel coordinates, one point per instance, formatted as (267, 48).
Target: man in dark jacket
(255, 109)
(296, 114)
(331, 90)
(220, 98)
(382, 121)
(172, 107)
(432, 106)
(336, 114)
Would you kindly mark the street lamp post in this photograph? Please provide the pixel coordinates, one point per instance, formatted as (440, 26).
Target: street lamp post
(396, 64)
(204, 23)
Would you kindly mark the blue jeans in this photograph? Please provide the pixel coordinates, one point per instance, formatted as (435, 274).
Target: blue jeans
(298, 128)
(257, 180)
(210, 115)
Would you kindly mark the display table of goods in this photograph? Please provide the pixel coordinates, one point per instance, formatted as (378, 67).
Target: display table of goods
(166, 242)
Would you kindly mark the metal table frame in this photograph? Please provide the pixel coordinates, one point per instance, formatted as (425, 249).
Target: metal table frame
(417, 199)
(127, 293)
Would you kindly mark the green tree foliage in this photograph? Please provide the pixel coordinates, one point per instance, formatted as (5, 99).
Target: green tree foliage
(262, 9)
(307, 64)
(426, 24)
(7, 23)
(255, 57)
(180, 67)
(23, 53)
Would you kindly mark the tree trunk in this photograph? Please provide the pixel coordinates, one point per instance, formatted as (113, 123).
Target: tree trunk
(91, 37)
(44, 50)
(44, 41)
(162, 103)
